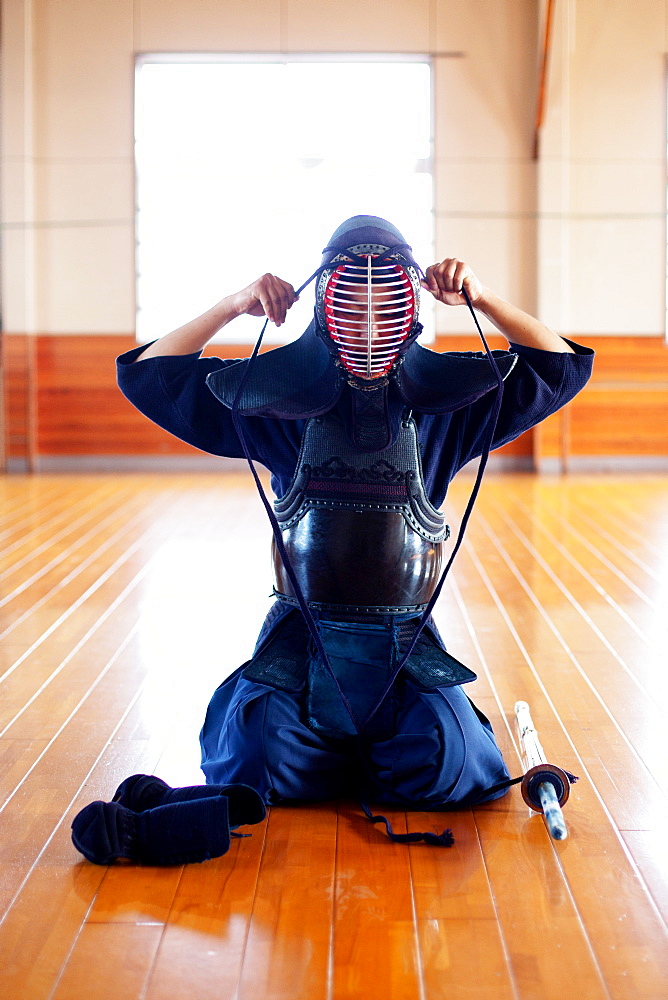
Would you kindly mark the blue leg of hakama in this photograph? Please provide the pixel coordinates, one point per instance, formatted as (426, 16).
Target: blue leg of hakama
(253, 735)
(443, 754)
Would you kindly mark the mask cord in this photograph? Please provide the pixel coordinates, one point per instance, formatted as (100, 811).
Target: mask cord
(489, 438)
(301, 600)
(276, 528)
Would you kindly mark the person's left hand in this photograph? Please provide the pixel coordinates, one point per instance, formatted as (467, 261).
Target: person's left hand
(446, 280)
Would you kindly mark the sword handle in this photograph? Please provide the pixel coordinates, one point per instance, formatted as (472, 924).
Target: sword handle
(552, 814)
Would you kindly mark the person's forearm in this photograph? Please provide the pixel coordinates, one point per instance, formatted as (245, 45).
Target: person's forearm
(450, 277)
(266, 296)
(518, 326)
(196, 334)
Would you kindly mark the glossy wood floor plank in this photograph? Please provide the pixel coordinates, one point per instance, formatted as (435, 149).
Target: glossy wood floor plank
(579, 641)
(125, 600)
(525, 875)
(602, 881)
(37, 935)
(109, 961)
(553, 653)
(586, 599)
(204, 941)
(287, 951)
(463, 951)
(376, 947)
(69, 545)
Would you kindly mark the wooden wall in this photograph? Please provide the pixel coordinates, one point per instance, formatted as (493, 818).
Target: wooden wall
(62, 400)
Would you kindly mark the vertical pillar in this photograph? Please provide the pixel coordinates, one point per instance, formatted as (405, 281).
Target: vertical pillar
(17, 265)
(553, 229)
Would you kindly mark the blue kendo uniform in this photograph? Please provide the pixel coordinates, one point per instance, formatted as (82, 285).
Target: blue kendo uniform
(278, 722)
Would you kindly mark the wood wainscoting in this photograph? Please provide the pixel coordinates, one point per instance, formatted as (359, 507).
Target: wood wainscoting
(62, 401)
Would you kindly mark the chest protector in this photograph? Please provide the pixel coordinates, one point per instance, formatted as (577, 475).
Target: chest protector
(360, 533)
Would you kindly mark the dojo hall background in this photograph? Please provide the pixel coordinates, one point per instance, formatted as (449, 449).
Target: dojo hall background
(132, 584)
(576, 235)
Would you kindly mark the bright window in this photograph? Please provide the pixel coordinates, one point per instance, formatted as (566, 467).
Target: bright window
(247, 165)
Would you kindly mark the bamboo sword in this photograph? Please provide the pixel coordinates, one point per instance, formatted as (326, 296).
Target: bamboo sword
(545, 787)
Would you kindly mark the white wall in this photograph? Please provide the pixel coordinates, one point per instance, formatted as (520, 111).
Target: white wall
(602, 179)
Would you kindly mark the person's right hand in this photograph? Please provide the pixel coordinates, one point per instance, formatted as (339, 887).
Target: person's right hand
(266, 296)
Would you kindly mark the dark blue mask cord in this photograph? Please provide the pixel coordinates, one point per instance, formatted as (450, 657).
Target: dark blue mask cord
(489, 439)
(306, 611)
(276, 528)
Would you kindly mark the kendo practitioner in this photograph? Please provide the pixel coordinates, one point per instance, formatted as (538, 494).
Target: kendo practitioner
(350, 690)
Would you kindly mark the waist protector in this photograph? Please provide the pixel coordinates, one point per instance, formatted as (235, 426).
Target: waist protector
(358, 528)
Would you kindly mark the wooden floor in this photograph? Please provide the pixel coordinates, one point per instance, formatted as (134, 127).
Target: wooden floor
(125, 601)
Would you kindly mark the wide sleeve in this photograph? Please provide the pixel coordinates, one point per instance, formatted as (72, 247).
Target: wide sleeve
(540, 384)
(172, 392)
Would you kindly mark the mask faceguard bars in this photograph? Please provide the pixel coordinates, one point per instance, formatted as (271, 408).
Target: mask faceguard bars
(368, 302)
(369, 314)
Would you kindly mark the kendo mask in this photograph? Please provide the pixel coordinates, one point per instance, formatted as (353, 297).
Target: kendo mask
(363, 333)
(367, 298)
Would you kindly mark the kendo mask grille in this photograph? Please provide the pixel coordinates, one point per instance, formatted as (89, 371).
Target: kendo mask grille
(368, 304)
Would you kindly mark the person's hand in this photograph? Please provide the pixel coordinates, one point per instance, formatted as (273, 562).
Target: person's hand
(266, 296)
(446, 280)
